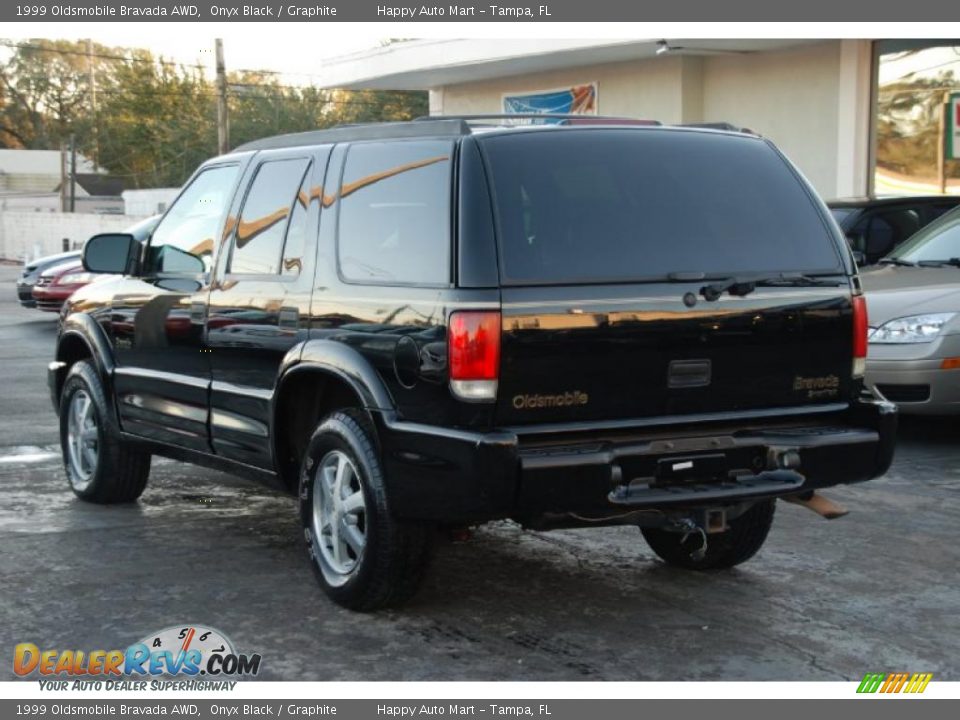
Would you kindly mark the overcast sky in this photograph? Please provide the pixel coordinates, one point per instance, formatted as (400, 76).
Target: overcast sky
(298, 49)
(293, 48)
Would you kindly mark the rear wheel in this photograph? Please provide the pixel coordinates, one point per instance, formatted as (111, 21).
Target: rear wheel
(363, 557)
(100, 467)
(742, 539)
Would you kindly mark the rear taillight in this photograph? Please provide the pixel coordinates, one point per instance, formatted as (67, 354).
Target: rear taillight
(859, 335)
(473, 344)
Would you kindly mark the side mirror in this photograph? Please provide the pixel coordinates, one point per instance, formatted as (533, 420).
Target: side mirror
(859, 258)
(115, 253)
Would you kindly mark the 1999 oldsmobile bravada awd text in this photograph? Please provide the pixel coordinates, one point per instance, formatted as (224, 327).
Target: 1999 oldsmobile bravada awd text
(446, 322)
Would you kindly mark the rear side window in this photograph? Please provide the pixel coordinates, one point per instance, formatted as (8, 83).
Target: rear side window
(615, 206)
(258, 243)
(394, 220)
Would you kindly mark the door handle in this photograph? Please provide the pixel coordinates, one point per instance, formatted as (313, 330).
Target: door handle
(198, 312)
(289, 318)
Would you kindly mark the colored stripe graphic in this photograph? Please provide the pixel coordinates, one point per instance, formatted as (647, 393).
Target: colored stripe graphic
(918, 683)
(894, 682)
(870, 683)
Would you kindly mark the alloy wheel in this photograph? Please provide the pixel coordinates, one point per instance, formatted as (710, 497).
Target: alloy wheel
(83, 440)
(339, 522)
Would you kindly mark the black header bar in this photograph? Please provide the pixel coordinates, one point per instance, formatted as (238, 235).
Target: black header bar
(510, 11)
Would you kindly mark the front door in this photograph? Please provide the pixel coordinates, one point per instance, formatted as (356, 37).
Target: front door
(162, 377)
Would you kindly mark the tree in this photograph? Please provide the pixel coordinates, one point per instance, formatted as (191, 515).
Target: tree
(155, 121)
(46, 92)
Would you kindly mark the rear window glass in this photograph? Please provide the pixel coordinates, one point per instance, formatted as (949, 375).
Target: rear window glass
(608, 206)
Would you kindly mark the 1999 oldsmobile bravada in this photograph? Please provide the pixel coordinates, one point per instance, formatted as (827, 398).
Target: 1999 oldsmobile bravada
(449, 321)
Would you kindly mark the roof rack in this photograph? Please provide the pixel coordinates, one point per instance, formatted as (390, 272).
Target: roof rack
(446, 126)
(433, 127)
(565, 118)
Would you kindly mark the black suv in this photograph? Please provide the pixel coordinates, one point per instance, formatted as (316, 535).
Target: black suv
(435, 324)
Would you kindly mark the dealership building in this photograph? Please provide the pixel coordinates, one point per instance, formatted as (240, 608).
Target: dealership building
(814, 98)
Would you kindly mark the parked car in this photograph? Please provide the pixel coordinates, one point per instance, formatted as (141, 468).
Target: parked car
(569, 326)
(914, 299)
(59, 281)
(31, 274)
(876, 226)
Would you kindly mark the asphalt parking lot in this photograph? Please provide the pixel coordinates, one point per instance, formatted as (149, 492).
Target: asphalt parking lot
(874, 591)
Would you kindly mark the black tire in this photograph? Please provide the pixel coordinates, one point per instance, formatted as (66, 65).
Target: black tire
(738, 543)
(389, 568)
(119, 473)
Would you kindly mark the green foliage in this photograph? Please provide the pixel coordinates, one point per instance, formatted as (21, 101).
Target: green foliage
(44, 92)
(154, 121)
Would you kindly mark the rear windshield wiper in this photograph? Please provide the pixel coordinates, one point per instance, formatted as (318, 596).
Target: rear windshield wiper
(740, 286)
(895, 261)
(955, 262)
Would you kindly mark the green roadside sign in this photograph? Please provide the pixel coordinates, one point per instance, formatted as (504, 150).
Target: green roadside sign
(953, 127)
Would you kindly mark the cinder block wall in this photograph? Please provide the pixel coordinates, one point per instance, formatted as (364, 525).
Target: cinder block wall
(28, 234)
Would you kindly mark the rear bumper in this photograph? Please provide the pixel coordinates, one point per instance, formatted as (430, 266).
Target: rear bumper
(437, 474)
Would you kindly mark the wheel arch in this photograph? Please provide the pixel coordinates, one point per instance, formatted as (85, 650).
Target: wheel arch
(326, 376)
(81, 338)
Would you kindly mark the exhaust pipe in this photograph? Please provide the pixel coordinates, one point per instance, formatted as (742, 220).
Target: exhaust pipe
(822, 506)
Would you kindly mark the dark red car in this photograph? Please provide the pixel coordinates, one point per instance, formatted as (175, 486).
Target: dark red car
(59, 282)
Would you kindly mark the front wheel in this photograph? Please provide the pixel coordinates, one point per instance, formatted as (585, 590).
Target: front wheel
(363, 558)
(741, 540)
(100, 467)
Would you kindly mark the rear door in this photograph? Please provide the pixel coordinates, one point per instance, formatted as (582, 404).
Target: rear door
(259, 301)
(607, 239)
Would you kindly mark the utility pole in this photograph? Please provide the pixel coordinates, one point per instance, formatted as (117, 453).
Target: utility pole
(92, 69)
(223, 121)
(942, 144)
(63, 176)
(73, 173)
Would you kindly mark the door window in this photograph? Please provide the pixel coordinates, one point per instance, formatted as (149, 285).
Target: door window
(294, 245)
(273, 196)
(183, 242)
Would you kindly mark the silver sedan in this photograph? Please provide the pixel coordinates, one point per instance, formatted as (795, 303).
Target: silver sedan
(913, 303)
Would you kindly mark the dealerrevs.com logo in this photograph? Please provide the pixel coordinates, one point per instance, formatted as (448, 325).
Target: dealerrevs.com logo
(177, 651)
